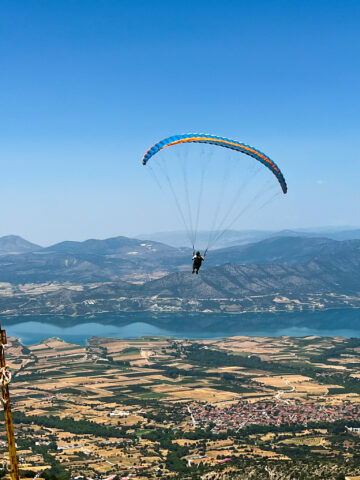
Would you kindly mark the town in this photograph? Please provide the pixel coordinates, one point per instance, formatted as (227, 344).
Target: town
(242, 414)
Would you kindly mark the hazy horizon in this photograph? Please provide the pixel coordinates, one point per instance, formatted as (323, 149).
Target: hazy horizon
(142, 235)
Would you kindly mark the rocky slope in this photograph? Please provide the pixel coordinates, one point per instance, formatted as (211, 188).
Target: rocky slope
(328, 282)
(134, 260)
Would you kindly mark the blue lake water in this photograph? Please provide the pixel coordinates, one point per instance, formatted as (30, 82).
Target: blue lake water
(31, 330)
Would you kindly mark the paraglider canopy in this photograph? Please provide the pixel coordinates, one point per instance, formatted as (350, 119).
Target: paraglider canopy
(234, 189)
(221, 142)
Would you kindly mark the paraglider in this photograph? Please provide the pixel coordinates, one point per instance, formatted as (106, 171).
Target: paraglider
(224, 214)
(197, 261)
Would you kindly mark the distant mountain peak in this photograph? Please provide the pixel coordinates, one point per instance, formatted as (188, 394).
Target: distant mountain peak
(15, 244)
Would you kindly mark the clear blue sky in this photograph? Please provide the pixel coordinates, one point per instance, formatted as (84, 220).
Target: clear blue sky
(87, 86)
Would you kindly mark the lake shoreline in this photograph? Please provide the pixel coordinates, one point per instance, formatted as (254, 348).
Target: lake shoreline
(32, 329)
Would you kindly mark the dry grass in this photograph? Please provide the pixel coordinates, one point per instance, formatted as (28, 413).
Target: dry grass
(308, 441)
(298, 383)
(198, 394)
(332, 367)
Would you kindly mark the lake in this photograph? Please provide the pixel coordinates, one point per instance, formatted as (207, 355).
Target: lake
(31, 330)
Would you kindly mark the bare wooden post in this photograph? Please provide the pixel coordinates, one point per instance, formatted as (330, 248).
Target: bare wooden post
(5, 377)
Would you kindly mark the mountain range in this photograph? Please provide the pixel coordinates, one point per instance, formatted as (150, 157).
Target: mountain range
(92, 261)
(230, 238)
(80, 278)
(139, 261)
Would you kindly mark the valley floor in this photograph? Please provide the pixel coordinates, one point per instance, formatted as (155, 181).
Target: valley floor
(238, 407)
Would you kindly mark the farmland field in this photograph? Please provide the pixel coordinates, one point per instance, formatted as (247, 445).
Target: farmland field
(163, 407)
